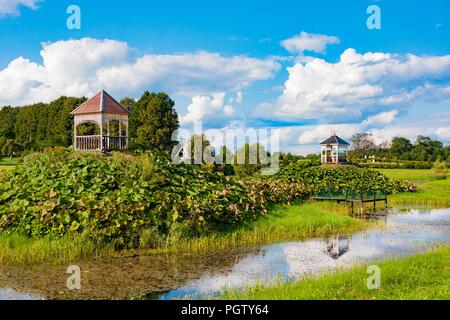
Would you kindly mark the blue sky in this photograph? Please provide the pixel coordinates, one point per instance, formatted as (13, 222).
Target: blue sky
(224, 63)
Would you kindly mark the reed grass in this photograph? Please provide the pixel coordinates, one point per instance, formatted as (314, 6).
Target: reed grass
(423, 276)
(20, 250)
(282, 223)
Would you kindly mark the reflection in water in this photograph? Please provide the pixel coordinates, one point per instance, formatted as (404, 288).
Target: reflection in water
(194, 275)
(338, 246)
(405, 234)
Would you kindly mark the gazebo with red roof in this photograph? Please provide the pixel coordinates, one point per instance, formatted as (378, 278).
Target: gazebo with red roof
(101, 110)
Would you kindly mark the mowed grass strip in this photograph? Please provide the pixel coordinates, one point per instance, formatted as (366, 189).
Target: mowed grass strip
(423, 276)
(431, 192)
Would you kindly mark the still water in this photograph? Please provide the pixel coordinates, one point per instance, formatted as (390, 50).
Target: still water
(176, 276)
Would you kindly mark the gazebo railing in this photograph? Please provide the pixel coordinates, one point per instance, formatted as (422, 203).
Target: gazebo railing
(92, 143)
(115, 143)
(88, 143)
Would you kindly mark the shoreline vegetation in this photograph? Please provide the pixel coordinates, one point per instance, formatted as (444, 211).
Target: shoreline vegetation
(42, 184)
(279, 223)
(124, 201)
(422, 276)
(282, 223)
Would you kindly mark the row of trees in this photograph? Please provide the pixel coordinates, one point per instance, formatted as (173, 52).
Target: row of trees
(400, 148)
(34, 127)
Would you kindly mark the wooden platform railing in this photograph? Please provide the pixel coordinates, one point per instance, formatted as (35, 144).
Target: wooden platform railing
(93, 143)
(115, 143)
(352, 196)
(88, 143)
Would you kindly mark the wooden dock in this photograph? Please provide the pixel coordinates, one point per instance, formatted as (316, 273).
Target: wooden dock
(352, 197)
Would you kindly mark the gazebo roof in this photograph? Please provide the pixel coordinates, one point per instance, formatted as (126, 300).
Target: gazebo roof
(335, 140)
(102, 102)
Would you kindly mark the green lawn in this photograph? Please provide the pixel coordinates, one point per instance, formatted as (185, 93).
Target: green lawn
(416, 175)
(431, 191)
(425, 276)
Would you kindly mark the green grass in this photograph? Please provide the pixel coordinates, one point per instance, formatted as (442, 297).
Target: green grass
(20, 250)
(281, 223)
(8, 164)
(424, 276)
(416, 175)
(431, 192)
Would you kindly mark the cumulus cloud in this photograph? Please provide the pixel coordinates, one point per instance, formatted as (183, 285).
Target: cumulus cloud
(443, 133)
(82, 67)
(12, 7)
(204, 108)
(319, 133)
(357, 84)
(309, 42)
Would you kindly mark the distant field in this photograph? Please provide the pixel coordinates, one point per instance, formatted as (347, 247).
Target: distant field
(431, 191)
(8, 164)
(416, 175)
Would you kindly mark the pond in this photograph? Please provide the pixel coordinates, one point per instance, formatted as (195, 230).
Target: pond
(170, 276)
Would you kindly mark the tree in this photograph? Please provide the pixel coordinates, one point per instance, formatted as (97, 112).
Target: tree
(250, 159)
(153, 120)
(400, 148)
(199, 146)
(224, 161)
(127, 103)
(363, 145)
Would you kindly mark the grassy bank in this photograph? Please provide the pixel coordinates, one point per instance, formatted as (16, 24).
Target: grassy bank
(424, 276)
(8, 164)
(281, 223)
(21, 250)
(431, 191)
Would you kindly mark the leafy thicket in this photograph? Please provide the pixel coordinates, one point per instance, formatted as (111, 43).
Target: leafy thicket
(340, 177)
(117, 197)
(124, 198)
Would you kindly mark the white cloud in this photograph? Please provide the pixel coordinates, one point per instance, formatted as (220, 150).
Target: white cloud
(309, 42)
(204, 108)
(443, 133)
(12, 7)
(357, 84)
(82, 67)
(316, 134)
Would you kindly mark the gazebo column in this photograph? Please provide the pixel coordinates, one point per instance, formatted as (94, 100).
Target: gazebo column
(120, 134)
(75, 145)
(337, 154)
(109, 135)
(127, 134)
(101, 132)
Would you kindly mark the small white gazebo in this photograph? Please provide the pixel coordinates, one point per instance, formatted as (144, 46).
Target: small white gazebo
(334, 150)
(103, 111)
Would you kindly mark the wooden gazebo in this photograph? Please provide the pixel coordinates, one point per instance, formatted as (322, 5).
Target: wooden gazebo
(334, 150)
(102, 110)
